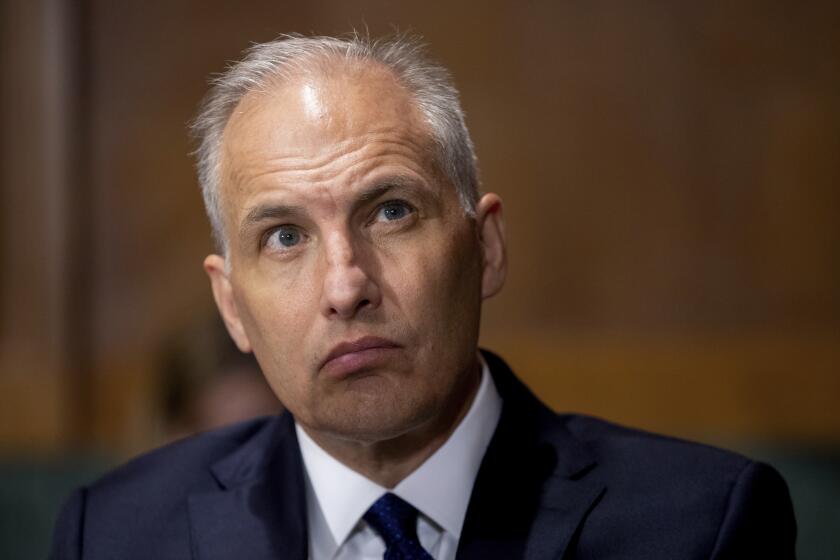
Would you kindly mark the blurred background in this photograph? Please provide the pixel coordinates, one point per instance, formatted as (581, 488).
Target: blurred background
(671, 174)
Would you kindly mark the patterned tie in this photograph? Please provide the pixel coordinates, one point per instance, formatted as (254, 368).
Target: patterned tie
(396, 522)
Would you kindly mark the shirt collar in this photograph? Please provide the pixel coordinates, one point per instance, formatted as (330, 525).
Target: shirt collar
(440, 488)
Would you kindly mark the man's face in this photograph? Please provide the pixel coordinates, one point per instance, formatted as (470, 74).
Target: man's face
(355, 276)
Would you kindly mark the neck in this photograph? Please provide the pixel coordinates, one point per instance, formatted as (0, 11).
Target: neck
(387, 462)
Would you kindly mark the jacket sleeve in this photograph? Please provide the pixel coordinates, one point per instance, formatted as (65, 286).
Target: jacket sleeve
(759, 520)
(67, 535)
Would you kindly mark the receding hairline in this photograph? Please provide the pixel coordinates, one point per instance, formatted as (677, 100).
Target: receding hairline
(327, 68)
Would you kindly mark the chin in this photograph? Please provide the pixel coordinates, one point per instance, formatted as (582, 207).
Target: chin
(375, 422)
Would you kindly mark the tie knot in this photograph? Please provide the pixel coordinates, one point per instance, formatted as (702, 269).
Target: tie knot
(393, 518)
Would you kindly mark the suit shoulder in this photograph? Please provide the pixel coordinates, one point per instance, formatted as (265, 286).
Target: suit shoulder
(610, 441)
(139, 510)
(658, 486)
(186, 459)
(155, 485)
(658, 468)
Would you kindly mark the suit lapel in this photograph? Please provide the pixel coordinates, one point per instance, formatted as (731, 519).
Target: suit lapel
(536, 484)
(568, 498)
(259, 510)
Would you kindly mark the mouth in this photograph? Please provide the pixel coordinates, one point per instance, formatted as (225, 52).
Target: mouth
(366, 352)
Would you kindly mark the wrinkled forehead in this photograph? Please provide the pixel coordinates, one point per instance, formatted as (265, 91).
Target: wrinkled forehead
(300, 115)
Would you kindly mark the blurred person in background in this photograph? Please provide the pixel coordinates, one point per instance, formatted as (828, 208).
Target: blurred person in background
(354, 254)
(207, 383)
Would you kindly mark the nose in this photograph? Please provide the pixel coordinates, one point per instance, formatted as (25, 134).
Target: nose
(349, 288)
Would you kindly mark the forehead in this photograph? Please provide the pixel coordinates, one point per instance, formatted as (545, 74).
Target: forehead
(305, 116)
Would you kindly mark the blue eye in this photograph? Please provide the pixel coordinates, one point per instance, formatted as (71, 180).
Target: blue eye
(284, 237)
(393, 211)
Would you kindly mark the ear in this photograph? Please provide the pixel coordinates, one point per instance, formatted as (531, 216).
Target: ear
(214, 265)
(491, 231)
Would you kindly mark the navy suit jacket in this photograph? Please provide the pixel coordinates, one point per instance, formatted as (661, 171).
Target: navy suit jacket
(549, 487)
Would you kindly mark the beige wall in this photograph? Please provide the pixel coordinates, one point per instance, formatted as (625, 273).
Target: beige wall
(670, 174)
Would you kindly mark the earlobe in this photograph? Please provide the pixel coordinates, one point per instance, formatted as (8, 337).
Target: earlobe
(491, 229)
(214, 265)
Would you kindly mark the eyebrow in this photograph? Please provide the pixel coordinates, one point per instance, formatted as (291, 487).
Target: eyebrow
(395, 182)
(265, 212)
(271, 212)
(374, 192)
(388, 184)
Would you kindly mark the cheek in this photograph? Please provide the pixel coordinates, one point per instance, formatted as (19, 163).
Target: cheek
(437, 286)
(277, 315)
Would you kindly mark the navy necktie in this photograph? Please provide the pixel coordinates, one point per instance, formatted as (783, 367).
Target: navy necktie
(396, 522)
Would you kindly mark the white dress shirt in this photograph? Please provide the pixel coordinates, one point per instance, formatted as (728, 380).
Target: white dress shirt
(337, 497)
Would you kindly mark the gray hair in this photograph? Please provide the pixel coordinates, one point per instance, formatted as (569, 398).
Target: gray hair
(428, 82)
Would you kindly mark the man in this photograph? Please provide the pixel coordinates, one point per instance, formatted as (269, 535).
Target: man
(354, 255)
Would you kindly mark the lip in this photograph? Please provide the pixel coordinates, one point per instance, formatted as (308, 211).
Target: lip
(348, 357)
